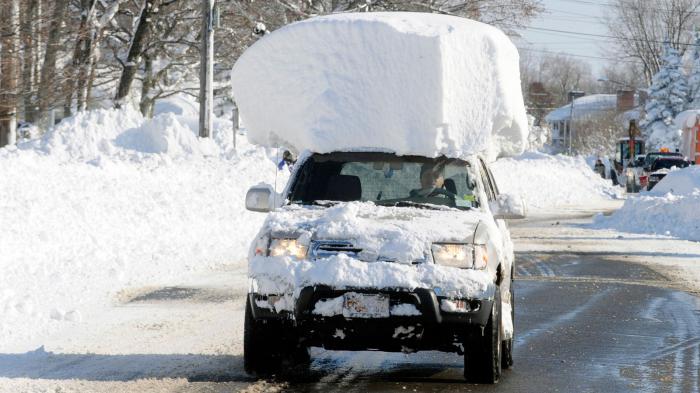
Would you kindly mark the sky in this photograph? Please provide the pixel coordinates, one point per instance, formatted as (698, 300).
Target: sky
(579, 18)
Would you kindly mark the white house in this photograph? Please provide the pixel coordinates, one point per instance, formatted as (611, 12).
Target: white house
(587, 107)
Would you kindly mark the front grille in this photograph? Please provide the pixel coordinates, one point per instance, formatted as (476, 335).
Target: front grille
(327, 248)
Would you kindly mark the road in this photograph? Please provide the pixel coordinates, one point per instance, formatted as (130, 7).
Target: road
(589, 318)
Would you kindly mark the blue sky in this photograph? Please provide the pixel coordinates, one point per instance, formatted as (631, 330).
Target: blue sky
(572, 16)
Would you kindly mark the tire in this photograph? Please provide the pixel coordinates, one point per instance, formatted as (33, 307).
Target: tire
(507, 345)
(482, 359)
(270, 345)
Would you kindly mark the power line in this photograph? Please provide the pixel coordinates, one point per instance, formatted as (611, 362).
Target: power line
(574, 55)
(598, 35)
(625, 4)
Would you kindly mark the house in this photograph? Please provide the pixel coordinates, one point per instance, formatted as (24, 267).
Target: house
(590, 107)
(689, 122)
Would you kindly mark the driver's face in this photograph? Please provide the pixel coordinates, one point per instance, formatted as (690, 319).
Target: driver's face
(431, 179)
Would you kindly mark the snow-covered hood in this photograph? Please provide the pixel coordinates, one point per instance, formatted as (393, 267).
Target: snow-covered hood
(399, 234)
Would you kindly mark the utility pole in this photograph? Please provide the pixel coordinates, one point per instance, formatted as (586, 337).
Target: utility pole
(206, 72)
(573, 95)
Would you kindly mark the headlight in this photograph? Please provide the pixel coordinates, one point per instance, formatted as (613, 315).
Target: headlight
(460, 255)
(286, 247)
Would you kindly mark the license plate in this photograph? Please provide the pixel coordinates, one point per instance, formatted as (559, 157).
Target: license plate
(359, 305)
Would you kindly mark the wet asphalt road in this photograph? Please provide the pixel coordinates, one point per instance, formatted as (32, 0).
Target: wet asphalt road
(584, 323)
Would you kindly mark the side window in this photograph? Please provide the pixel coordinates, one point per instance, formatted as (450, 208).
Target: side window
(493, 181)
(488, 187)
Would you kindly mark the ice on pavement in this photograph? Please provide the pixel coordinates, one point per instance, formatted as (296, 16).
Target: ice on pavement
(410, 83)
(552, 181)
(109, 200)
(669, 209)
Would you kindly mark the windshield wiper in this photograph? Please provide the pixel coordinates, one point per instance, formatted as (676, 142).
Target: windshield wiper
(413, 204)
(318, 203)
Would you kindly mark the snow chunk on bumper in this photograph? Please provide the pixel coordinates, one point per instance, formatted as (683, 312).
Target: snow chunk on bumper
(410, 83)
(284, 275)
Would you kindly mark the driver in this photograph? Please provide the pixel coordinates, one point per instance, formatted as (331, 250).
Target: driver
(432, 182)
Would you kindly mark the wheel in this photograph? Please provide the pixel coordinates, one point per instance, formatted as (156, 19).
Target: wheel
(270, 345)
(507, 345)
(482, 359)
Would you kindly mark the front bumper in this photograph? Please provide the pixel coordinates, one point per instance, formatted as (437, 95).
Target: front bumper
(433, 329)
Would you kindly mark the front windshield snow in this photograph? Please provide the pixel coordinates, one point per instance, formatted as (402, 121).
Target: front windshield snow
(385, 179)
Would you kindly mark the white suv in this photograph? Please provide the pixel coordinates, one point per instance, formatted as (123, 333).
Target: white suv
(374, 251)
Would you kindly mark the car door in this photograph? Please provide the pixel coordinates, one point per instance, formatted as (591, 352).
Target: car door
(492, 192)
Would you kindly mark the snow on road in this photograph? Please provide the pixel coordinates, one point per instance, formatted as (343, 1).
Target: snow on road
(548, 182)
(107, 201)
(669, 209)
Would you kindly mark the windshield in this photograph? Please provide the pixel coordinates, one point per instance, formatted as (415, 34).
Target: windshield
(385, 179)
(651, 157)
(664, 163)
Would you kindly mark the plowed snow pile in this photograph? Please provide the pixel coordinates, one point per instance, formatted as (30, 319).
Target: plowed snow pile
(107, 201)
(545, 181)
(672, 208)
(410, 83)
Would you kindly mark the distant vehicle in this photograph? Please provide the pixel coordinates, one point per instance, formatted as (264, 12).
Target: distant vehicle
(624, 170)
(646, 165)
(651, 157)
(661, 166)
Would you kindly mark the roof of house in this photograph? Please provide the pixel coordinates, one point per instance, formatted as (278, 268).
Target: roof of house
(584, 106)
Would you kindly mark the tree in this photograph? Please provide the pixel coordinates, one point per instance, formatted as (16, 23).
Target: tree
(668, 95)
(694, 77)
(133, 58)
(48, 73)
(641, 27)
(9, 59)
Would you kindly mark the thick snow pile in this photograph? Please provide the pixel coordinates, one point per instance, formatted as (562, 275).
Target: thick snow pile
(277, 275)
(670, 209)
(108, 201)
(680, 182)
(549, 181)
(410, 83)
(399, 234)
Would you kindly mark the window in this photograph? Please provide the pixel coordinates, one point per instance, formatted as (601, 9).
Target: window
(488, 185)
(385, 179)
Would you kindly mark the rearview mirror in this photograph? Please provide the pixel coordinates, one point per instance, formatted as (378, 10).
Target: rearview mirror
(508, 207)
(260, 198)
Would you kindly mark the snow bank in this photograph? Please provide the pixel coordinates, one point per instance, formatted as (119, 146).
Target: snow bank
(547, 181)
(108, 201)
(680, 182)
(670, 209)
(410, 83)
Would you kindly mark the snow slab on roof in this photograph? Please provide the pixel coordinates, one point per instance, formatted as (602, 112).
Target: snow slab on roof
(410, 83)
(584, 106)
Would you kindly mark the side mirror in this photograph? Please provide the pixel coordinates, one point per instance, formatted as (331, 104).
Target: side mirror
(508, 207)
(260, 198)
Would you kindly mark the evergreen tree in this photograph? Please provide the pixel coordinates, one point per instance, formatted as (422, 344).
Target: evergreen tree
(668, 96)
(694, 78)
